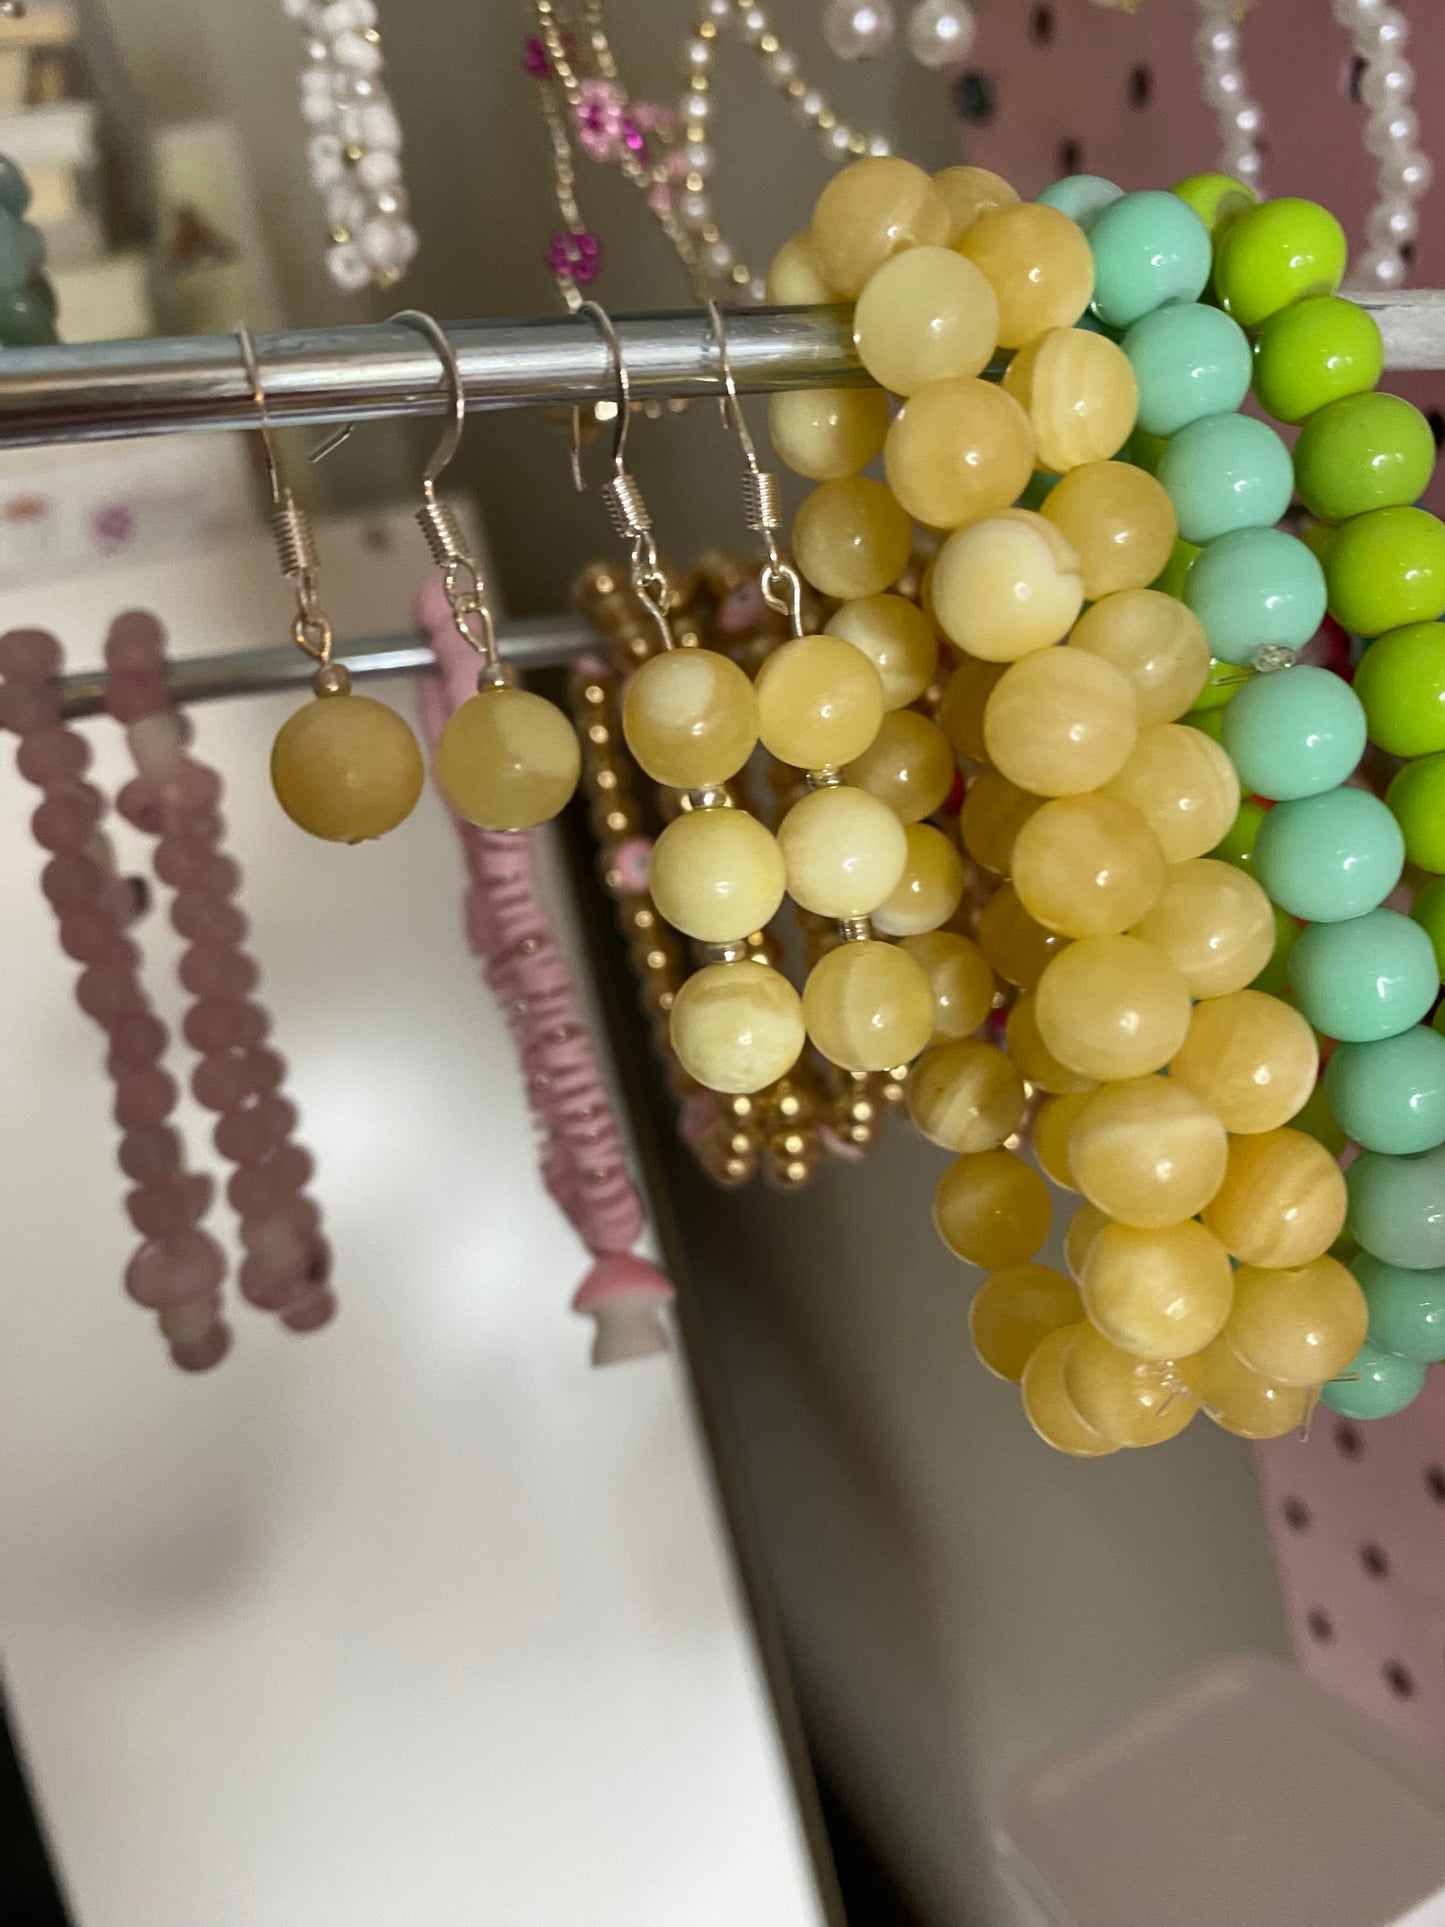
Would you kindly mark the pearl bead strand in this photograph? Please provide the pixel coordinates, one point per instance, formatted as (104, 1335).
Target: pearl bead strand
(1226, 89)
(1378, 33)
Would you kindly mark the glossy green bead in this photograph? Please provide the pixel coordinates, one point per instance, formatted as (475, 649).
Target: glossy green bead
(1274, 978)
(1144, 450)
(1081, 196)
(1417, 796)
(27, 315)
(1236, 846)
(1148, 248)
(1319, 539)
(1316, 1120)
(1313, 353)
(1387, 568)
(1407, 1308)
(1254, 587)
(1218, 199)
(1276, 254)
(1189, 361)
(1297, 732)
(1037, 490)
(1364, 978)
(1226, 679)
(1209, 722)
(1329, 857)
(1401, 682)
(1374, 1384)
(1224, 473)
(1363, 452)
(1397, 1208)
(14, 188)
(1429, 913)
(1175, 573)
(1390, 1095)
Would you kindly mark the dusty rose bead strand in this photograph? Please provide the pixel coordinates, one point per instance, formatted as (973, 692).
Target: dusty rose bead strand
(175, 798)
(178, 1270)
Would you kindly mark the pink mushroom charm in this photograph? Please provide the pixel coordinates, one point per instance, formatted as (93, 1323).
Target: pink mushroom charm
(624, 1295)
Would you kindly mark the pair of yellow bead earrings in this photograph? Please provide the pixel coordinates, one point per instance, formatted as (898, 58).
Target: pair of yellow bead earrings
(346, 768)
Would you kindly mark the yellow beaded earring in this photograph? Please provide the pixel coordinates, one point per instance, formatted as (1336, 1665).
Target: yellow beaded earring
(344, 768)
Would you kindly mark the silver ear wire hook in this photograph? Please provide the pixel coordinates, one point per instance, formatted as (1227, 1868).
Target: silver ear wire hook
(630, 514)
(780, 582)
(290, 525)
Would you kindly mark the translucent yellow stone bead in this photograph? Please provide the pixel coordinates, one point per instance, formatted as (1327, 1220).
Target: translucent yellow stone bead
(820, 702)
(1156, 641)
(716, 875)
(871, 211)
(966, 1096)
(930, 889)
(897, 638)
(992, 1209)
(690, 718)
(850, 538)
(960, 978)
(1007, 586)
(994, 811)
(957, 451)
(1055, 1120)
(868, 1006)
(1240, 1401)
(1087, 866)
(1016, 947)
(1118, 520)
(737, 1027)
(1213, 923)
(1036, 1062)
(827, 433)
(1160, 1292)
(1282, 1202)
(843, 852)
(908, 765)
(1112, 1007)
(507, 760)
(1060, 722)
(1150, 1153)
(969, 192)
(1127, 1400)
(1184, 786)
(1253, 1060)
(1085, 1225)
(1047, 1405)
(347, 769)
(924, 316)
(1038, 264)
(795, 275)
(1300, 1326)
(1014, 1311)
(1079, 393)
(960, 715)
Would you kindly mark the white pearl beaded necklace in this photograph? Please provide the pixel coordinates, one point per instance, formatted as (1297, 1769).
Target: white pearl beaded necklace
(1241, 118)
(1379, 32)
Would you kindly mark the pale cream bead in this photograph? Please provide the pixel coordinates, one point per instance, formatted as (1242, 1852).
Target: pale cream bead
(958, 450)
(1118, 520)
(870, 211)
(1157, 1292)
(960, 978)
(1128, 1400)
(966, 1096)
(1016, 947)
(923, 316)
(994, 811)
(1149, 1153)
(908, 765)
(965, 698)
(1053, 1122)
(1253, 1059)
(1112, 1007)
(1240, 1401)
(992, 1209)
(1085, 1225)
(1037, 1063)
(1007, 586)
(1300, 1325)
(850, 538)
(969, 192)
(1060, 722)
(843, 852)
(1282, 1202)
(1079, 393)
(868, 1006)
(1183, 785)
(737, 1027)
(1013, 1311)
(930, 889)
(896, 637)
(690, 718)
(820, 702)
(1039, 265)
(506, 760)
(795, 275)
(347, 768)
(1213, 923)
(716, 875)
(1047, 1405)
(1156, 641)
(828, 433)
(1087, 866)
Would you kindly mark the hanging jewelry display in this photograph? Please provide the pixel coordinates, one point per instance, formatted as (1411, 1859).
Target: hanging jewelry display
(1385, 82)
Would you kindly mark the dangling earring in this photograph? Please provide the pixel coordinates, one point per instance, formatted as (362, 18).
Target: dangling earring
(506, 759)
(344, 768)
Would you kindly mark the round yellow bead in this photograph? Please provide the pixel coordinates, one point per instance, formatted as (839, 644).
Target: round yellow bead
(827, 433)
(1087, 866)
(1213, 923)
(957, 451)
(1014, 1311)
(1007, 586)
(1282, 1202)
(1184, 786)
(992, 1209)
(795, 275)
(1047, 1405)
(868, 1006)
(1112, 1007)
(925, 315)
(1079, 393)
(908, 765)
(965, 698)
(507, 760)
(960, 978)
(1299, 1326)
(1037, 1063)
(966, 1096)
(1159, 1293)
(1085, 1225)
(1150, 1153)
(896, 637)
(1240, 1401)
(737, 1027)
(690, 718)
(850, 538)
(1039, 265)
(716, 875)
(994, 811)
(1127, 1400)
(930, 889)
(1156, 641)
(347, 769)
(1016, 947)
(969, 192)
(871, 211)
(1055, 1120)
(843, 852)
(1252, 1059)
(1060, 722)
(1118, 520)
(820, 702)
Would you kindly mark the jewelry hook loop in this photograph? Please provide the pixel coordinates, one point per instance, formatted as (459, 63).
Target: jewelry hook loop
(781, 585)
(263, 413)
(622, 381)
(445, 452)
(729, 402)
(290, 525)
